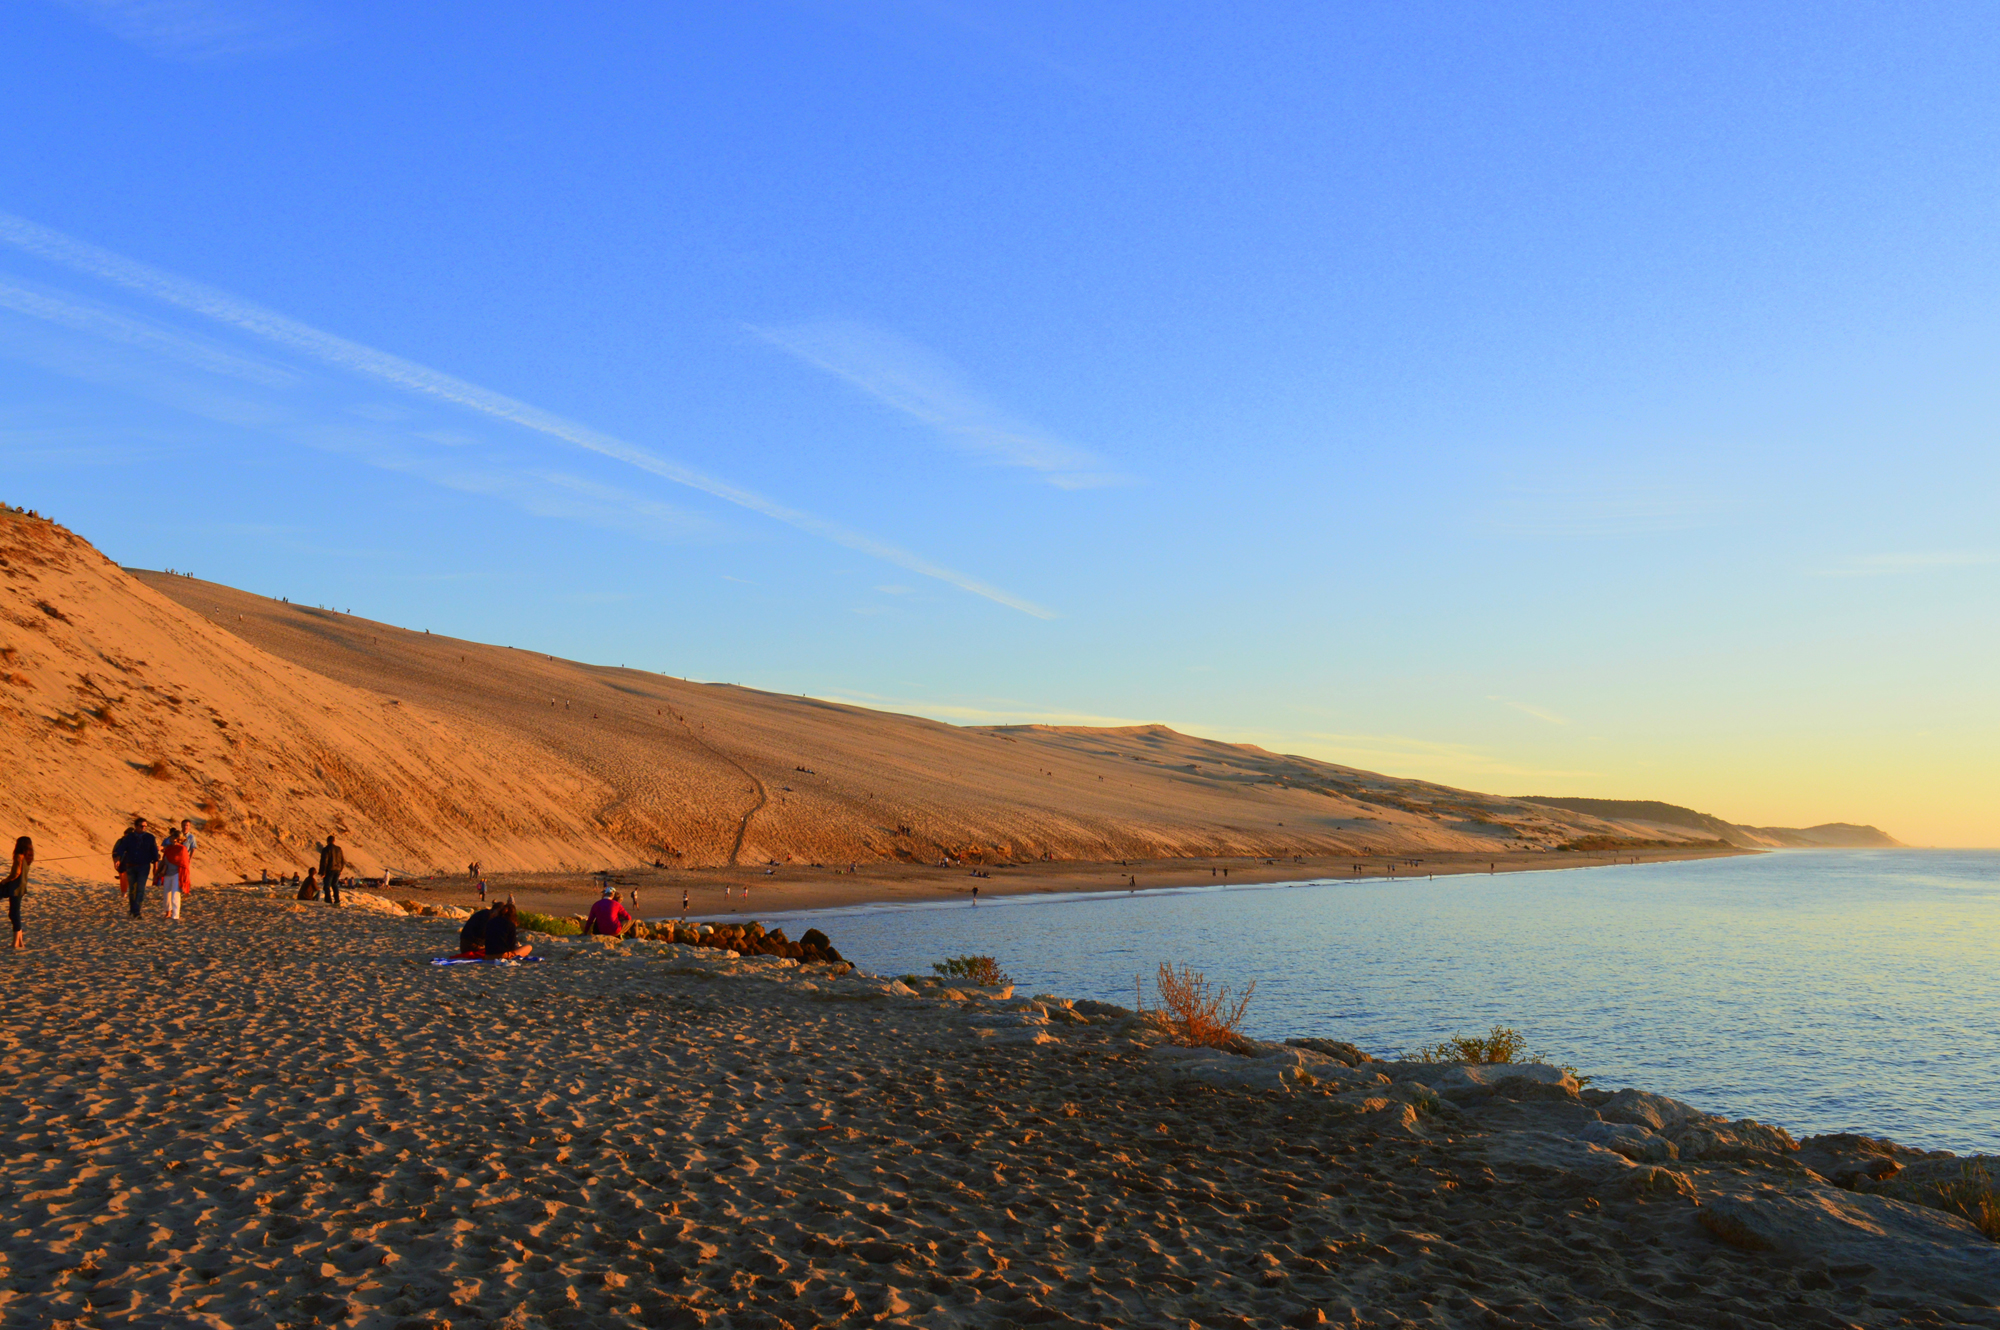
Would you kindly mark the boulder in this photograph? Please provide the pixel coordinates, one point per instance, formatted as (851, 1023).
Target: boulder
(1716, 1138)
(812, 937)
(1088, 1007)
(1655, 1112)
(1631, 1140)
(1466, 1082)
(1849, 1160)
(1860, 1237)
(1337, 1049)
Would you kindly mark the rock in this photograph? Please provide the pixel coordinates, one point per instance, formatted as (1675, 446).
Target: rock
(1940, 1254)
(1466, 1082)
(1951, 1183)
(1853, 1161)
(1716, 1138)
(1338, 1050)
(1652, 1111)
(1659, 1183)
(1088, 1007)
(1631, 1140)
(812, 937)
(1215, 1067)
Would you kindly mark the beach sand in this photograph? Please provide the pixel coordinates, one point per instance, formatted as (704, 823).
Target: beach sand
(277, 1114)
(787, 888)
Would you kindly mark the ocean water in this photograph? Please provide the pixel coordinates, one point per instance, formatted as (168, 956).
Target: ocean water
(1820, 990)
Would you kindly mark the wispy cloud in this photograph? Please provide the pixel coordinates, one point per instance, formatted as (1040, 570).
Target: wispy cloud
(930, 389)
(1538, 713)
(1891, 565)
(195, 30)
(353, 357)
(146, 336)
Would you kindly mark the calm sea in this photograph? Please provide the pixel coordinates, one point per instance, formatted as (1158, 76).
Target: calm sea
(1830, 990)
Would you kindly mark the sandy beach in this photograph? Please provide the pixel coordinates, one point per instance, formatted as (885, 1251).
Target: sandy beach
(276, 1114)
(786, 888)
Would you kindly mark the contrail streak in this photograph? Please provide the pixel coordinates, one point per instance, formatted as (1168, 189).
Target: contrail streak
(224, 308)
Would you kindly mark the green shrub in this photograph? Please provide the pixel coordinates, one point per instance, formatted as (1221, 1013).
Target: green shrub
(1503, 1043)
(555, 925)
(981, 970)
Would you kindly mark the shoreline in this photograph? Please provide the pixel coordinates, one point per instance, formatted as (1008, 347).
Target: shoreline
(688, 1137)
(797, 889)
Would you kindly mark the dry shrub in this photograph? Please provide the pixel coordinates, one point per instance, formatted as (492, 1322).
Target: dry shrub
(1195, 1013)
(1971, 1195)
(981, 970)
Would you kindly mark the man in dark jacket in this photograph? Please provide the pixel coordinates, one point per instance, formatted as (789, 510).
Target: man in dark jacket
(135, 854)
(332, 863)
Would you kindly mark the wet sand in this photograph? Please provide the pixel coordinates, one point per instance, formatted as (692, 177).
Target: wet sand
(715, 892)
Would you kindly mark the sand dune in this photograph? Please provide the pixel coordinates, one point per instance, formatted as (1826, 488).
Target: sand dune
(271, 723)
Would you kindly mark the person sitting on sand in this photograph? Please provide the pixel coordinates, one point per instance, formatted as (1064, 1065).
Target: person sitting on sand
(472, 937)
(16, 886)
(609, 917)
(309, 890)
(503, 939)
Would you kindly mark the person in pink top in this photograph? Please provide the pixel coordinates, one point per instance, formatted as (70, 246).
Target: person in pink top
(176, 871)
(608, 918)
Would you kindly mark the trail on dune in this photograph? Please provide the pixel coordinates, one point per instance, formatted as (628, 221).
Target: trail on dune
(763, 797)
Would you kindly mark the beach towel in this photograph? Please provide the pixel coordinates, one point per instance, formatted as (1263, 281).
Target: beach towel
(486, 960)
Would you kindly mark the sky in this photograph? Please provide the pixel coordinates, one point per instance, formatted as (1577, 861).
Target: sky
(1591, 399)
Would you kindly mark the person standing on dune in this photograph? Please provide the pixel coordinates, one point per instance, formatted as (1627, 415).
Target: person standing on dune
(16, 886)
(332, 863)
(135, 854)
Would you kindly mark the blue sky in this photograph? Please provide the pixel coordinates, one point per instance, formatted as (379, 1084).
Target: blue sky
(1555, 398)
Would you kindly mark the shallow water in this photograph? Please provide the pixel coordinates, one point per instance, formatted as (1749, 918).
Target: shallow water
(1821, 990)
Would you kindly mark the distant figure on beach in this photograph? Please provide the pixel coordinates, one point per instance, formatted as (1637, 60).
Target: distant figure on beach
(684, 902)
(472, 937)
(187, 838)
(135, 854)
(175, 872)
(607, 918)
(332, 863)
(975, 893)
(1133, 883)
(16, 886)
(482, 891)
(503, 940)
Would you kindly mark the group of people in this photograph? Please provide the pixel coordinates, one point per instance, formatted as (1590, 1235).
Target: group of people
(493, 933)
(141, 860)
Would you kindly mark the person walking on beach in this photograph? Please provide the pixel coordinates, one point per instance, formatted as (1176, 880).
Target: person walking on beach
(16, 886)
(482, 891)
(175, 872)
(187, 838)
(332, 863)
(684, 902)
(135, 854)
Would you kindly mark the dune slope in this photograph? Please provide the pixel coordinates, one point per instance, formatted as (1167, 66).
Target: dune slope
(271, 724)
